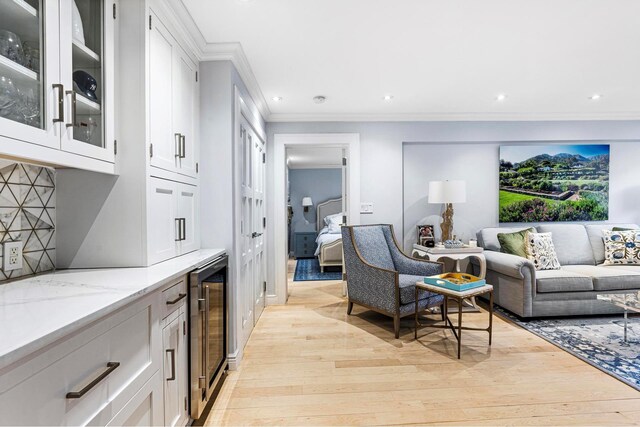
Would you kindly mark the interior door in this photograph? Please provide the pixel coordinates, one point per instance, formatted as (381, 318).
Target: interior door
(245, 239)
(345, 186)
(259, 224)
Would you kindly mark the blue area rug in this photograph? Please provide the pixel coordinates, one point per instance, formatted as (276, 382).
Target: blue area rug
(309, 269)
(596, 340)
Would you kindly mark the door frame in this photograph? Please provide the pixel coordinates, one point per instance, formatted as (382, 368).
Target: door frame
(348, 141)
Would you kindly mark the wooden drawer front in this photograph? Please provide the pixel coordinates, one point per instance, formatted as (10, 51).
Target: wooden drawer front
(173, 298)
(41, 399)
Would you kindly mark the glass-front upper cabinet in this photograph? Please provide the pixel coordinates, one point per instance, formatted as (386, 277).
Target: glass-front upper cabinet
(87, 46)
(30, 90)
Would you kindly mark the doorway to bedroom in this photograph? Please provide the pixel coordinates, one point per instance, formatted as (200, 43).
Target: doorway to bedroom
(315, 208)
(310, 203)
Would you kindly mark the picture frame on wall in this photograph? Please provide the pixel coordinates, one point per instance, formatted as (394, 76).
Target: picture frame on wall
(426, 236)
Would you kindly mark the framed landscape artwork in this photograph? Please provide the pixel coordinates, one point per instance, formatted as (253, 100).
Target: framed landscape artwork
(546, 183)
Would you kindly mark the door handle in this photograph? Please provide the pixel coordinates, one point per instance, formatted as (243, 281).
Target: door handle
(178, 230)
(254, 235)
(175, 301)
(183, 152)
(172, 353)
(184, 228)
(60, 89)
(178, 138)
(73, 108)
(111, 366)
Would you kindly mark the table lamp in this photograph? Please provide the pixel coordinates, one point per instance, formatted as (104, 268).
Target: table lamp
(447, 192)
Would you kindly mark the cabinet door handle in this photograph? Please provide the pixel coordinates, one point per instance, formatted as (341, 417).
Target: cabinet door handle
(184, 228)
(178, 230)
(174, 301)
(183, 152)
(111, 366)
(60, 89)
(178, 138)
(172, 352)
(73, 108)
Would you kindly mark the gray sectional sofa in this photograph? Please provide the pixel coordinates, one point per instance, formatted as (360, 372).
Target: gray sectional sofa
(570, 291)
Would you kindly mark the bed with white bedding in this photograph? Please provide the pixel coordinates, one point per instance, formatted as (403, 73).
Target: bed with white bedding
(329, 240)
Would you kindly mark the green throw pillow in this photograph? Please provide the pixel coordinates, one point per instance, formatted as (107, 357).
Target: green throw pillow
(621, 229)
(515, 243)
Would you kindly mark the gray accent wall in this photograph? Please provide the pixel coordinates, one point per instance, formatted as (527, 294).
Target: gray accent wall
(319, 184)
(468, 146)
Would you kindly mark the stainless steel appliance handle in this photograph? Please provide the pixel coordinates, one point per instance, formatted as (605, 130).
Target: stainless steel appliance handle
(172, 353)
(60, 117)
(73, 108)
(111, 366)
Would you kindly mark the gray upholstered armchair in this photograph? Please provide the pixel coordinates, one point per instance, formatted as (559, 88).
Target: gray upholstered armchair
(381, 277)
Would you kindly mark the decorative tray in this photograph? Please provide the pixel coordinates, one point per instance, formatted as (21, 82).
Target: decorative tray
(455, 281)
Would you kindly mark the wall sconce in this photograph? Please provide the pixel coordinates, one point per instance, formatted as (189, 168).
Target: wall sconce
(306, 203)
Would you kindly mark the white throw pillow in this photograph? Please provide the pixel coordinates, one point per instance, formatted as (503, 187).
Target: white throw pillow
(541, 252)
(621, 247)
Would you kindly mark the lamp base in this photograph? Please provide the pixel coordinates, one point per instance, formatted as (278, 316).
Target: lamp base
(447, 222)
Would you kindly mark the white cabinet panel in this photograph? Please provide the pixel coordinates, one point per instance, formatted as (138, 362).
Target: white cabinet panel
(161, 97)
(188, 212)
(145, 408)
(163, 228)
(185, 100)
(175, 369)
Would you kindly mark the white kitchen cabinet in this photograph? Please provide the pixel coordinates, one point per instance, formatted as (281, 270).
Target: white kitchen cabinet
(173, 95)
(145, 408)
(173, 219)
(175, 344)
(43, 116)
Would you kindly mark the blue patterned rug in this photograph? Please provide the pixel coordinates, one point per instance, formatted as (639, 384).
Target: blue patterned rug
(309, 269)
(596, 340)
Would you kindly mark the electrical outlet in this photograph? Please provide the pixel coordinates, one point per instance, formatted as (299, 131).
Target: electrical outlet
(12, 256)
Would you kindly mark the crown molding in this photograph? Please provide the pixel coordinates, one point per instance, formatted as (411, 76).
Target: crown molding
(449, 117)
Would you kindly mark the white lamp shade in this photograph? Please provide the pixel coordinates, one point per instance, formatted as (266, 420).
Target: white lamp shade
(447, 192)
(306, 202)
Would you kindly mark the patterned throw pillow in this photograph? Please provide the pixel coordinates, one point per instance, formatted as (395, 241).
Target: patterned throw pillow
(541, 252)
(621, 247)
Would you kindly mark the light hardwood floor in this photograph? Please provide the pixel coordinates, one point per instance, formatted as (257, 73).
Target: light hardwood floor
(308, 363)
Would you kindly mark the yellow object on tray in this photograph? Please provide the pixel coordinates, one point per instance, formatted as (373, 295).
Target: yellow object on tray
(455, 281)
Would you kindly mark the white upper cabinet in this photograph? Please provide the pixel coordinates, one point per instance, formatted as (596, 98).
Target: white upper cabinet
(47, 42)
(173, 97)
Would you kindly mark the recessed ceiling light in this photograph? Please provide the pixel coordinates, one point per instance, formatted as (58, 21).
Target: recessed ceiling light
(501, 97)
(388, 97)
(595, 97)
(319, 99)
(277, 98)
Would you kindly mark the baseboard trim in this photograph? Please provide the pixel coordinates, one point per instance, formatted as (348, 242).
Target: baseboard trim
(234, 360)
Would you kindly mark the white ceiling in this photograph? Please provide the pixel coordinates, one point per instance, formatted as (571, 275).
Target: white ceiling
(314, 157)
(440, 59)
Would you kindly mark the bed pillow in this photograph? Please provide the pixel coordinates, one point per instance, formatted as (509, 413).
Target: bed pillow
(333, 219)
(514, 243)
(541, 252)
(621, 247)
(334, 229)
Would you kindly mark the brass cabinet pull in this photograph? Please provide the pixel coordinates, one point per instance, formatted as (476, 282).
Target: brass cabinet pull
(180, 296)
(111, 366)
(73, 108)
(172, 352)
(60, 117)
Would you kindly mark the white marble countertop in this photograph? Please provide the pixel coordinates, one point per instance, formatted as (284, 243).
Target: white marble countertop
(39, 310)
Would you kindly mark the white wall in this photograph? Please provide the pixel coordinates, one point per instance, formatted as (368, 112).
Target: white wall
(382, 153)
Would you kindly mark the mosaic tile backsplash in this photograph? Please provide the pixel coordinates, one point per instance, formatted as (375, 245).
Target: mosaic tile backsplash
(27, 214)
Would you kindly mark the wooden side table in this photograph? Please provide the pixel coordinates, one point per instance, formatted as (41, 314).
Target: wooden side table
(458, 297)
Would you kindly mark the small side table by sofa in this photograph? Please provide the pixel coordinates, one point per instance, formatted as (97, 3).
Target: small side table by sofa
(435, 254)
(458, 297)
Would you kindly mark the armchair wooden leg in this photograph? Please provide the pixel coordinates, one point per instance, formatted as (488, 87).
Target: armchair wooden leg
(396, 325)
(349, 307)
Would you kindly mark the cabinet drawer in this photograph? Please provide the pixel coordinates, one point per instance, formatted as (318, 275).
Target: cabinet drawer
(104, 373)
(173, 298)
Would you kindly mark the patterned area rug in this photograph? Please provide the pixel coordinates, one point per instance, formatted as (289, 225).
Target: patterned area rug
(308, 269)
(596, 340)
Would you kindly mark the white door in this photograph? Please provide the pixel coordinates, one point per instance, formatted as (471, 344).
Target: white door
(345, 186)
(164, 139)
(259, 224)
(244, 239)
(89, 54)
(163, 226)
(171, 340)
(187, 199)
(185, 98)
(31, 92)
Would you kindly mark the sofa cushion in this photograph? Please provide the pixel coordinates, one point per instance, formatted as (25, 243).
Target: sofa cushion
(594, 231)
(540, 251)
(608, 278)
(571, 243)
(407, 284)
(514, 243)
(562, 281)
(372, 246)
(621, 247)
(488, 237)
